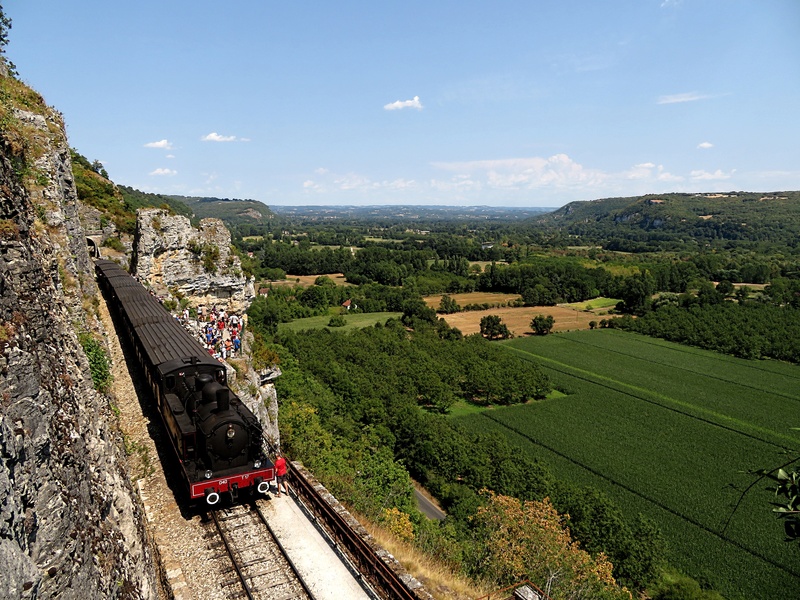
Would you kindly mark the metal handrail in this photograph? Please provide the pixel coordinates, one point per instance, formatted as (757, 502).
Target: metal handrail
(380, 576)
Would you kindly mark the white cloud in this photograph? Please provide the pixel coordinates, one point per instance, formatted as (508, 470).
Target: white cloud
(663, 175)
(685, 97)
(216, 137)
(351, 181)
(170, 156)
(163, 172)
(640, 171)
(400, 104)
(705, 145)
(163, 144)
(716, 175)
(558, 170)
(325, 181)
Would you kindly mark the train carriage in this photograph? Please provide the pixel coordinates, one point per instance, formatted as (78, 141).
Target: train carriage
(215, 437)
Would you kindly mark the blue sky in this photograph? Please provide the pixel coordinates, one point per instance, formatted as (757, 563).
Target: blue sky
(503, 103)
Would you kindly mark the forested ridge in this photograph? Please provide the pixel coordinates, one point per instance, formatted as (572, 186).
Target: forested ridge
(667, 221)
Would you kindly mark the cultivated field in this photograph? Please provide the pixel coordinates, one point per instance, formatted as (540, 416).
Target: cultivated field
(353, 321)
(473, 298)
(518, 319)
(670, 432)
(307, 280)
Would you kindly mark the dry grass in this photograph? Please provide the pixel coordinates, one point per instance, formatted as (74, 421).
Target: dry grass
(437, 578)
(308, 280)
(473, 298)
(518, 320)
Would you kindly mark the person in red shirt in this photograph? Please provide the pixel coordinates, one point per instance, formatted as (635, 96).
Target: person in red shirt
(280, 473)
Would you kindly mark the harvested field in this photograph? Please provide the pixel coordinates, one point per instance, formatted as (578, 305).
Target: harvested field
(473, 298)
(518, 320)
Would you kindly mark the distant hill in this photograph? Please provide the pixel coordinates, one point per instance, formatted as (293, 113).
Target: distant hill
(419, 213)
(230, 210)
(719, 218)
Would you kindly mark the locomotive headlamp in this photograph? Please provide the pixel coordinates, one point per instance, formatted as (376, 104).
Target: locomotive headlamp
(257, 464)
(230, 433)
(208, 474)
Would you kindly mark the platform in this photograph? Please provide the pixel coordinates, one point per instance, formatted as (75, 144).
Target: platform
(323, 570)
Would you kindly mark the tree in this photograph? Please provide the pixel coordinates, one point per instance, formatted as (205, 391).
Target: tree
(725, 287)
(98, 168)
(636, 292)
(315, 297)
(592, 324)
(337, 321)
(528, 540)
(742, 294)
(448, 306)
(5, 27)
(542, 325)
(492, 327)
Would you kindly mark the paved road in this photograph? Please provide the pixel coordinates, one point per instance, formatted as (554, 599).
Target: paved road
(428, 508)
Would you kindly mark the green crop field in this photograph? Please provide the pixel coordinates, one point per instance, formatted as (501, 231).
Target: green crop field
(670, 432)
(353, 321)
(594, 303)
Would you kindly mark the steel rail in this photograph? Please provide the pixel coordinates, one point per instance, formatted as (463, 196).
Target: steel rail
(286, 556)
(235, 562)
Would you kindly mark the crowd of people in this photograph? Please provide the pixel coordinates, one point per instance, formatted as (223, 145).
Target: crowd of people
(220, 332)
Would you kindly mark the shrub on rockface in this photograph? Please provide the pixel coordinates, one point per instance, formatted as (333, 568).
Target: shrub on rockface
(98, 362)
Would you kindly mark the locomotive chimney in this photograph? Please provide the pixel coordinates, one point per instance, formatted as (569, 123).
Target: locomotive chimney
(223, 399)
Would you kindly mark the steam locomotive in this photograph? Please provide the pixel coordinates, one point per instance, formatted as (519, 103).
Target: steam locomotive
(215, 437)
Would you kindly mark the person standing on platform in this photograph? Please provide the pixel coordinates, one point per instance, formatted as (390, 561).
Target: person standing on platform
(280, 474)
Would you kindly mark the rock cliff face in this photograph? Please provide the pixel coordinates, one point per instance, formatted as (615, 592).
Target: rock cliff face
(197, 263)
(70, 524)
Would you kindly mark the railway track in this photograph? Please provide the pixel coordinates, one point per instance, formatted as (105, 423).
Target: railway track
(256, 565)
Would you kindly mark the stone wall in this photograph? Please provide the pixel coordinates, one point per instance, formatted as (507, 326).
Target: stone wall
(70, 523)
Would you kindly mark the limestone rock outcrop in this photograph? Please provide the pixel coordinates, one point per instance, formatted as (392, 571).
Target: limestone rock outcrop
(172, 256)
(70, 523)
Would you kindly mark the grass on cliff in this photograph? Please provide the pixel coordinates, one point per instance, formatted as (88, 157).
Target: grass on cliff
(26, 141)
(434, 574)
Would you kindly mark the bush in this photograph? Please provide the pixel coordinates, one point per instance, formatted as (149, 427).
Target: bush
(98, 362)
(210, 257)
(337, 321)
(114, 243)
